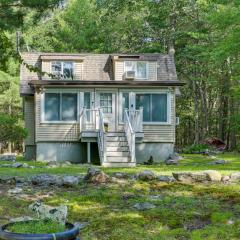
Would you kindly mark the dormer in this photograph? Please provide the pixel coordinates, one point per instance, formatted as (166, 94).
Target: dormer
(62, 66)
(135, 67)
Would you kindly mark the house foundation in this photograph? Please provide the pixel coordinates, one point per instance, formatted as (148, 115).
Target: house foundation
(159, 151)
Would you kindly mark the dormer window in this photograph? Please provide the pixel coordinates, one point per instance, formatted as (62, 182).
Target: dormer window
(62, 70)
(140, 68)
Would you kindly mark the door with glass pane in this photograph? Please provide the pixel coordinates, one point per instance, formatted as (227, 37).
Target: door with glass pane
(106, 101)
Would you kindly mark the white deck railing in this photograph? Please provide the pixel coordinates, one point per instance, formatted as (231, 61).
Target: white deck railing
(89, 120)
(130, 135)
(136, 119)
(101, 138)
(93, 120)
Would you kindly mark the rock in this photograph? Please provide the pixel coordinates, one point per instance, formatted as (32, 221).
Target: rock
(213, 175)
(21, 180)
(16, 190)
(218, 162)
(120, 175)
(173, 159)
(144, 206)
(21, 219)
(95, 175)
(46, 180)
(163, 178)
(235, 177)
(70, 181)
(43, 211)
(174, 156)
(17, 165)
(52, 163)
(8, 157)
(171, 162)
(8, 180)
(225, 178)
(230, 222)
(67, 163)
(146, 175)
(189, 177)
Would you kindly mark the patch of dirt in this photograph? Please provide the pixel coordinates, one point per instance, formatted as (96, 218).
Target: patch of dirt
(196, 223)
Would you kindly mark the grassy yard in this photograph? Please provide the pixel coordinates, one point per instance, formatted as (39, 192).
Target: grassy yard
(183, 211)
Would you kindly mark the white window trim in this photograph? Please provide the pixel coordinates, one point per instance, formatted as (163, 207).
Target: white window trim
(42, 108)
(168, 122)
(132, 99)
(147, 69)
(62, 62)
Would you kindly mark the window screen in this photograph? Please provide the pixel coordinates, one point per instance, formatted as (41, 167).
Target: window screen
(52, 106)
(69, 107)
(154, 107)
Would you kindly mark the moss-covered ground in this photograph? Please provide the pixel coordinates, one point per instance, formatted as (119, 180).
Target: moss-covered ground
(183, 211)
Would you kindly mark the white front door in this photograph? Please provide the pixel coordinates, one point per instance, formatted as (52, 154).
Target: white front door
(107, 102)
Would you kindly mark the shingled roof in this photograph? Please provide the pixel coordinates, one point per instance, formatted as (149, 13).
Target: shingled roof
(96, 67)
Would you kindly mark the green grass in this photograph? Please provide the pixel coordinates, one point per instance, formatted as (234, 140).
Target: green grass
(36, 227)
(183, 211)
(191, 162)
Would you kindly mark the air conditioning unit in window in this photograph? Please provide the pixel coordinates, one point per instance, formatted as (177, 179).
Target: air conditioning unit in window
(177, 121)
(130, 75)
(57, 75)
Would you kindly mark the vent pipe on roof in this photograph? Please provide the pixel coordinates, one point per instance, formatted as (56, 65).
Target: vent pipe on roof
(171, 51)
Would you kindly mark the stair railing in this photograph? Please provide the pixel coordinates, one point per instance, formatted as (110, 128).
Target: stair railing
(101, 138)
(136, 119)
(82, 119)
(130, 135)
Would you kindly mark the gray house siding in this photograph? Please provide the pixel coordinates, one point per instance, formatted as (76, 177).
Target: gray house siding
(61, 141)
(29, 119)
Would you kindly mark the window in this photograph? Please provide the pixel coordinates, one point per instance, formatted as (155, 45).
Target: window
(87, 100)
(125, 103)
(63, 70)
(69, 107)
(87, 104)
(52, 107)
(154, 107)
(60, 107)
(106, 102)
(139, 67)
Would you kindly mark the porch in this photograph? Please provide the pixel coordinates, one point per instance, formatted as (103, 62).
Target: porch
(116, 146)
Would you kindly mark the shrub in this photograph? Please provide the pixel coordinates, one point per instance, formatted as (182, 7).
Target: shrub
(195, 148)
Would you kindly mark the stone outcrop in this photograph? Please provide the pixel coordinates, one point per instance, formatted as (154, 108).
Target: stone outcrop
(146, 175)
(8, 157)
(205, 176)
(70, 181)
(58, 214)
(95, 175)
(235, 177)
(48, 180)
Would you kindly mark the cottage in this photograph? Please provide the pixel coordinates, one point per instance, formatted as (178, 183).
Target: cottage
(115, 109)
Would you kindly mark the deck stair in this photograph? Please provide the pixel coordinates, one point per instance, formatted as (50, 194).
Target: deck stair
(117, 151)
